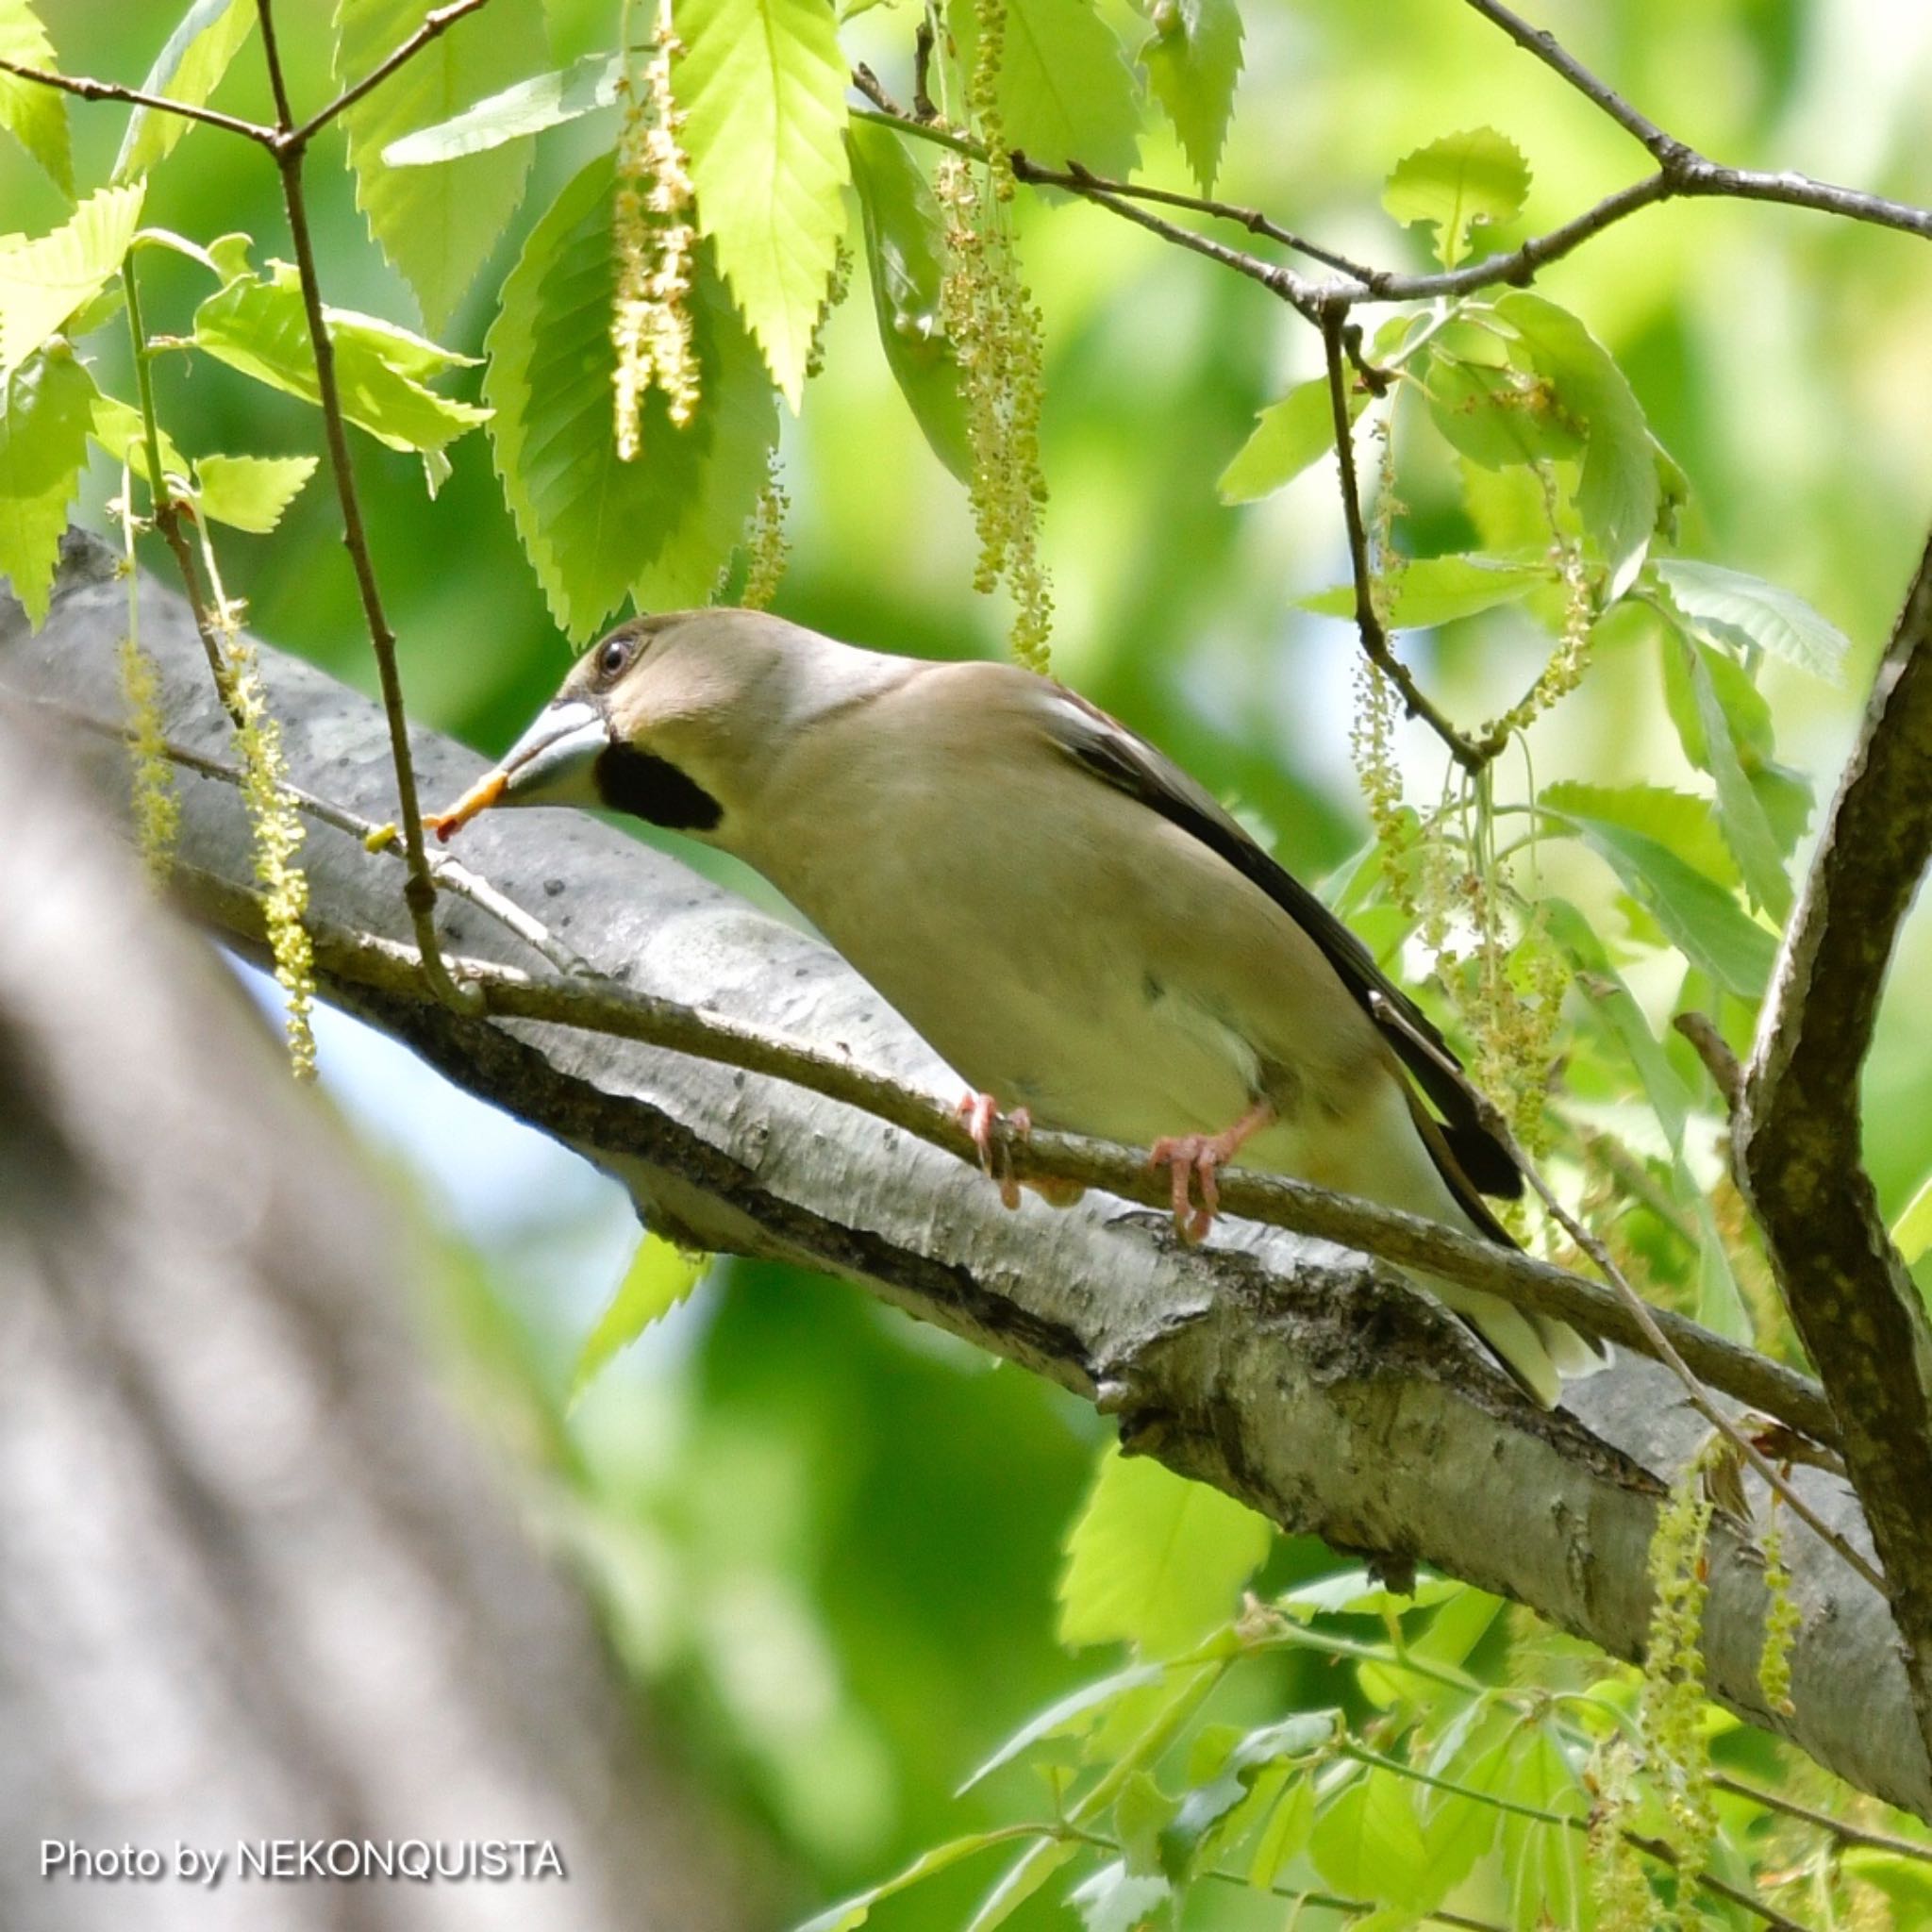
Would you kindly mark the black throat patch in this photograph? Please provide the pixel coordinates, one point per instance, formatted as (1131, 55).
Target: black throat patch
(654, 790)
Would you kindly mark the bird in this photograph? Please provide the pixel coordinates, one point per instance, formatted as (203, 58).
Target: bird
(1079, 929)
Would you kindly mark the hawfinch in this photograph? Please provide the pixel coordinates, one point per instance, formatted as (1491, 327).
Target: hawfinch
(1072, 923)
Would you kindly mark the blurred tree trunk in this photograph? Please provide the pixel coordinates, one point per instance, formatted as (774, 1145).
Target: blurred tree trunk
(254, 1583)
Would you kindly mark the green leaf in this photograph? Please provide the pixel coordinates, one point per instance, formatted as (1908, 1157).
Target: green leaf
(1288, 436)
(1746, 609)
(117, 427)
(1680, 820)
(1066, 90)
(1478, 175)
(46, 407)
(1719, 1300)
(1368, 1842)
(1499, 416)
(1906, 1883)
(1437, 590)
(257, 324)
(1072, 1716)
(1286, 1835)
(1355, 1593)
(1154, 1560)
(853, 1912)
(189, 67)
(36, 116)
(1911, 1233)
(594, 526)
(763, 86)
(43, 280)
(1193, 59)
(249, 493)
(1022, 1879)
(1117, 1900)
(1545, 1863)
(438, 226)
(905, 256)
(1740, 810)
(545, 100)
(1619, 496)
(660, 1276)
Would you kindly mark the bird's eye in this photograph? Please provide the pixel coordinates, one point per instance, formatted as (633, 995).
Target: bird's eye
(612, 658)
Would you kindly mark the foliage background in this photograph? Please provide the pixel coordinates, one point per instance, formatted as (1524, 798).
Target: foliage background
(827, 1539)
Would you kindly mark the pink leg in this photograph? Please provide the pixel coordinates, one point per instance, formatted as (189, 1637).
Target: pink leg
(1191, 1157)
(987, 1126)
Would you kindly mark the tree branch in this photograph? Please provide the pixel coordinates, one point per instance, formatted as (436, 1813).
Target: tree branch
(1302, 1379)
(160, 103)
(1797, 1132)
(438, 20)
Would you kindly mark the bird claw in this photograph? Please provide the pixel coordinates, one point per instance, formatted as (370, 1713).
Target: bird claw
(1191, 1157)
(991, 1130)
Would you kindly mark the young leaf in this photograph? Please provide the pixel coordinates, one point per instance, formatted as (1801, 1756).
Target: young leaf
(118, 429)
(1286, 1834)
(1118, 1900)
(905, 256)
(1499, 416)
(42, 282)
(45, 409)
(1478, 175)
(1437, 590)
(1021, 1880)
(436, 224)
(1619, 494)
(1193, 59)
(593, 526)
(545, 100)
(1746, 609)
(659, 1277)
(853, 1912)
(1368, 1842)
(1911, 1234)
(1740, 810)
(257, 324)
(1074, 1715)
(1154, 1560)
(36, 116)
(763, 86)
(249, 493)
(1680, 820)
(189, 67)
(1066, 90)
(1288, 436)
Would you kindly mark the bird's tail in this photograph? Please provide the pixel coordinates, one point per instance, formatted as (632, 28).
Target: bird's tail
(1540, 1351)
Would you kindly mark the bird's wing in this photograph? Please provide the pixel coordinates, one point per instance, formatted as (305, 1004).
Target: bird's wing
(1468, 1154)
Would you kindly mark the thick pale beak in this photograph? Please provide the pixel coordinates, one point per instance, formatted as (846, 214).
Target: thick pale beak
(552, 763)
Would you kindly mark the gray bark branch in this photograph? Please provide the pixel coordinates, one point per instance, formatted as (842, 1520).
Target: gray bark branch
(1304, 1380)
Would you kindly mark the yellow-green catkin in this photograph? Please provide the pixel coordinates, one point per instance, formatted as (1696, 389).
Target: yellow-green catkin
(1625, 1901)
(277, 828)
(1782, 1619)
(156, 805)
(766, 549)
(650, 323)
(994, 327)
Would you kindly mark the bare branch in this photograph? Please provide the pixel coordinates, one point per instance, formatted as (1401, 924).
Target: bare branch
(438, 20)
(158, 104)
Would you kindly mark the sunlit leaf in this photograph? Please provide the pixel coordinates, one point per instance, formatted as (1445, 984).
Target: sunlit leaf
(1193, 59)
(593, 526)
(905, 252)
(1066, 90)
(545, 100)
(849, 1915)
(1154, 1560)
(257, 324)
(249, 493)
(762, 86)
(1355, 1594)
(1747, 610)
(1368, 1842)
(1740, 811)
(1478, 175)
(438, 224)
(44, 279)
(118, 429)
(660, 1276)
(47, 407)
(1022, 1879)
(1438, 590)
(36, 116)
(189, 67)
(1911, 1233)
(1498, 416)
(1072, 1715)
(1288, 436)
(1680, 820)
(1115, 1899)
(1286, 1835)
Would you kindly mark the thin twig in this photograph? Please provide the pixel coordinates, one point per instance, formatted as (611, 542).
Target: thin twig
(419, 892)
(1714, 1050)
(1646, 1317)
(439, 21)
(134, 96)
(1845, 1833)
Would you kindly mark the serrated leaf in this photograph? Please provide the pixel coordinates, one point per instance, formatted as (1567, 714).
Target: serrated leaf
(1438, 590)
(594, 526)
(257, 324)
(1154, 1560)
(1368, 1842)
(438, 226)
(1288, 436)
(44, 279)
(1911, 1233)
(189, 67)
(1021, 1880)
(1193, 59)
(545, 100)
(660, 1276)
(1477, 175)
(1499, 416)
(117, 427)
(36, 116)
(249, 493)
(1740, 810)
(1680, 820)
(1746, 610)
(1071, 1716)
(853, 1912)
(1066, 90)
(1619, 496)
(905, 254)
(46, 407)
(762, 86)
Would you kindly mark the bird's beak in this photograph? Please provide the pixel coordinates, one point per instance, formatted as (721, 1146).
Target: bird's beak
(552, 763)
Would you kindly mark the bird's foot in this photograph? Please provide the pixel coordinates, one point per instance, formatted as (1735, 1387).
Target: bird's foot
(992, 1130)
(1196, 1160)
